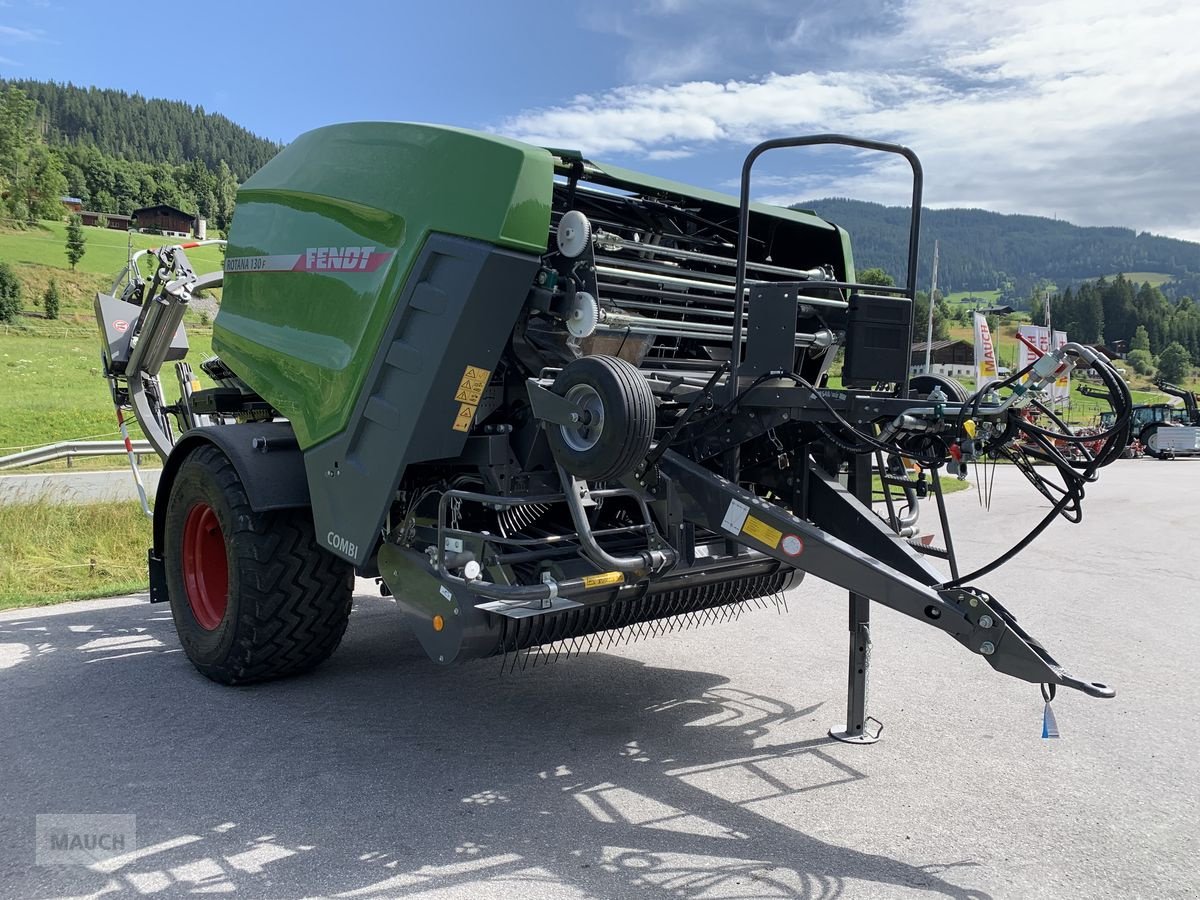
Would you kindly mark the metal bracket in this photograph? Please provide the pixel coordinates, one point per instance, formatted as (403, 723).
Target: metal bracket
(549, 407)
(982, 625)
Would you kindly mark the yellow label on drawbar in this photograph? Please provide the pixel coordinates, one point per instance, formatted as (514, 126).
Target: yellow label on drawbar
(607, 579)
(470, 389)
(462, 422)
(761, 531)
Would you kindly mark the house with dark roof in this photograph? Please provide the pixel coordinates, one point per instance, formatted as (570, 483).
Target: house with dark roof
(948, 357)
(164, 219)
(108, 220)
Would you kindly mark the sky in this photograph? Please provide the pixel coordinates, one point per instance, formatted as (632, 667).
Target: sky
(1087, 110)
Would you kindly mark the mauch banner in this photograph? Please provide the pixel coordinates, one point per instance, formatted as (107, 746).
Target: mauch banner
(985, 354)
(1060, 391)
(1062, 387)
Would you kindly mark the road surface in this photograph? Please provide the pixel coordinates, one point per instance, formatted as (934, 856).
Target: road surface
(691, 766)
(76, 487)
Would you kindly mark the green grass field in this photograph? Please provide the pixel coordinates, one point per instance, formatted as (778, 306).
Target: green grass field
(988, 297)
(37, 255)
(1139, 278)
(50, 553)
(51, 388)
(106, 249)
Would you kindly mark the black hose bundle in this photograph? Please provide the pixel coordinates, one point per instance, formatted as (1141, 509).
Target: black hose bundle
(1075, 472)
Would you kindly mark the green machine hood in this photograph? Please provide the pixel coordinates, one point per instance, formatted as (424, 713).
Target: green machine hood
(325, 235)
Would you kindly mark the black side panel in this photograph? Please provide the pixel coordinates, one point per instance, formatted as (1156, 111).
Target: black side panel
(771, 337)
(449, 329)
(877, 340)
(267, 459)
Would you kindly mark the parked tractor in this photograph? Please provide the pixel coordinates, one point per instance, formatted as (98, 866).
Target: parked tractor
(544, 399)
(1159, 430)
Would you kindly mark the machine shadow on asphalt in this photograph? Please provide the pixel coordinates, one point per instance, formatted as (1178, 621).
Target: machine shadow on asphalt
(610, 777)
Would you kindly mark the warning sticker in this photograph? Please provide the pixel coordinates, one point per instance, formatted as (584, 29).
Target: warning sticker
(761, 531)
(792, 545)
(466, 412)
(735, 516)
(470, 389)
(606, 579)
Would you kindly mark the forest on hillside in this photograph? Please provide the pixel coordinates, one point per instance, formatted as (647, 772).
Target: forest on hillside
(1116, 310)
(117, 152)
(983, 251)
(132, 127)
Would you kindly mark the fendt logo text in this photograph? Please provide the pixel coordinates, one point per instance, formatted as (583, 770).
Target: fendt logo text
(324, 258)
(313, 259)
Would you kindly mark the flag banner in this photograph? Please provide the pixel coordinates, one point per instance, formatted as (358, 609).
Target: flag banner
(1060, 391)
(985, 354)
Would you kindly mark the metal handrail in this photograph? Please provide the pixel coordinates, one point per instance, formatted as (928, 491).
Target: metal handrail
(70, 450)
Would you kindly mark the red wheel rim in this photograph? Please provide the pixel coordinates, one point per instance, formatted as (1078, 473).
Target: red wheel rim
(205, 568)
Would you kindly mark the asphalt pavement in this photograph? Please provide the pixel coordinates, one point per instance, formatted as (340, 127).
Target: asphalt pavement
(694, 765)
(76, 487)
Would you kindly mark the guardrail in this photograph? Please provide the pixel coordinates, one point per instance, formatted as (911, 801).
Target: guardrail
(70, 450)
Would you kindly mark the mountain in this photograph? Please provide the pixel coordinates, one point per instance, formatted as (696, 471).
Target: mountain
(980, 250)
(150, 131)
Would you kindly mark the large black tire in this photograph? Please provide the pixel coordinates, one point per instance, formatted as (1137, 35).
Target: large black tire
(253, 595)
(1144, 440)
(621, 405)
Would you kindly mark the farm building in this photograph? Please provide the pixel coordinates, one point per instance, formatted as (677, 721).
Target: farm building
(112, 220)
(165, 219)
(953, 358)
(72, 204)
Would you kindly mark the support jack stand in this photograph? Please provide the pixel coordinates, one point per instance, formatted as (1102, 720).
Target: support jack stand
(859, 667)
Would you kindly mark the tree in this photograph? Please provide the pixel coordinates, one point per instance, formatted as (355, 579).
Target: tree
(867, 276)
(75, 240)
(10, 294)
(1141, 360)
(1037, 310)
(50, 300)
(31, 175)
(1174, 362)
(226, 195)
(941, 318)
(44, 183)
(1141, 339)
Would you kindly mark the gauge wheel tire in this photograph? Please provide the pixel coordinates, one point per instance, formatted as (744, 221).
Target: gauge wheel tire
(253, 595)
(923, 386)
(1144, 440)
(620, 407)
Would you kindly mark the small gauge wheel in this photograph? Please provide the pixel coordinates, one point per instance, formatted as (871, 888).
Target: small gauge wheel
(616, 418)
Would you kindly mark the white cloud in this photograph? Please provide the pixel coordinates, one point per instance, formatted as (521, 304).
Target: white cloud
(10, 33)
(635, 119)
(1087, 109)
(666, 154)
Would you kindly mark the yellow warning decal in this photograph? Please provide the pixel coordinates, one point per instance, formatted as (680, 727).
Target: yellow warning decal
(462, 422)
(761, 531)
(606, 579)
(470, 389)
